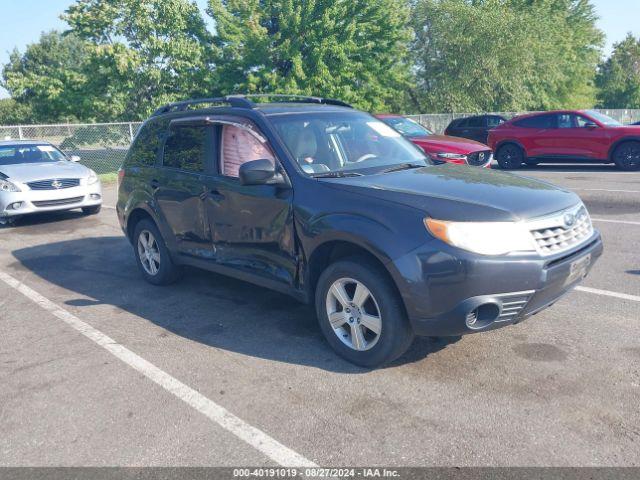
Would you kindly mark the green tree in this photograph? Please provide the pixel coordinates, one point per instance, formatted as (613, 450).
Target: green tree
(618, 78)
(14, 113)
(504, 55)
(355, 50)
(47, 79)
(145, 52)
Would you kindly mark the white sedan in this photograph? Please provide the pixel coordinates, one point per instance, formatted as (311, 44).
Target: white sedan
(36, 177)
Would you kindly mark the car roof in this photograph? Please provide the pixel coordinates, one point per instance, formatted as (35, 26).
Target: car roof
(296, 107)
(15, 143)
(550, 112)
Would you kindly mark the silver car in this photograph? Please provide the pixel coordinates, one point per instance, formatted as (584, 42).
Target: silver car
(36, 177)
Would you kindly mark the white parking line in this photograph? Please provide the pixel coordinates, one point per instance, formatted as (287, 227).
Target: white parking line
(109, 207)
(624, 222)
(607, 293)
(254, 437)
(603, 190)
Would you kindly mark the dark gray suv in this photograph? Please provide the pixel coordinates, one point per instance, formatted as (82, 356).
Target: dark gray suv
(310, 197)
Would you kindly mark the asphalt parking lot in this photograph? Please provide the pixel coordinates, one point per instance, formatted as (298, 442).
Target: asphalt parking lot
(99, 368)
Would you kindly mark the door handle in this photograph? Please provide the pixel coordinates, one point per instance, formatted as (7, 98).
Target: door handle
(155, 184)
(214, 194)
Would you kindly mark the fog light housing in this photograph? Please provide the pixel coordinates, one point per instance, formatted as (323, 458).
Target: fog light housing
(14, 206)
(482, 316)
(94, 196)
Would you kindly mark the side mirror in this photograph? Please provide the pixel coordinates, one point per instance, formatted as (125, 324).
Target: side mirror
(259, 172)
(590, 125)
(75, 158)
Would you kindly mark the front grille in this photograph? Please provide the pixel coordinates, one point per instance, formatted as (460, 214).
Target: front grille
(54, 184)
(62, 201)
(563, 231)
(513, 304)
(478, 159)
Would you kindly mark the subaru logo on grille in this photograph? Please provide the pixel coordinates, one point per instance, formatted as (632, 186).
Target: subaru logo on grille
(56, 184)
(569, 219)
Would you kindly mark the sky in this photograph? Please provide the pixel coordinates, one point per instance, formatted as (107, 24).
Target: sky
(24, 20)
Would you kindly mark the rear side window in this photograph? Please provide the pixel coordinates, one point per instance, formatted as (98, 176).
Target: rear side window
(185, 149)
(475, 122)
(493, 122)
(147, 144)
(541, 121)
(240, 146)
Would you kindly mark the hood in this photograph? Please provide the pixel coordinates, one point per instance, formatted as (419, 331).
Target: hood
(449, 144)
(30, 172)
(463, 193)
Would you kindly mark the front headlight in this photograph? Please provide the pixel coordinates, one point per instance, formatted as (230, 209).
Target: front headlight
(7, 186)
(93, 178)
(486, 238)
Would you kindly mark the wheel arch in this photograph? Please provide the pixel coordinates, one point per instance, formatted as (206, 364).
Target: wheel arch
(135, 216)
(503, 143)
(617, 143)
(334, 250)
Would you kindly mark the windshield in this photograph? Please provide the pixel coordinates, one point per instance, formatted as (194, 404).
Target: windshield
(344, 142)
(407, 127)
(604, 119)
(15, 154)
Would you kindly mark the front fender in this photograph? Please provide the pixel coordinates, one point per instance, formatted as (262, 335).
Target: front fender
(379, 234)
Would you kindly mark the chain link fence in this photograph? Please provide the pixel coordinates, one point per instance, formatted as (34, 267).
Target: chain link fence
(100, 146)
(103, 146)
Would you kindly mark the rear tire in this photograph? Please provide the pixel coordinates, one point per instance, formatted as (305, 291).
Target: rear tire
(627, 156)
(510, 156)
(92, 210)
(152, 255)
(379, 331)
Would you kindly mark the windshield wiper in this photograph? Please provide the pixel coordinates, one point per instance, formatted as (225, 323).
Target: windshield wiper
(402, 166)
(339, 174)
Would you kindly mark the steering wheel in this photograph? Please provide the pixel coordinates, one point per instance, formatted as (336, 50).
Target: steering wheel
(366, 156)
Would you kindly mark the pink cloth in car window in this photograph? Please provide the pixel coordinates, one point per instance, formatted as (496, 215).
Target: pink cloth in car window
(238, 147)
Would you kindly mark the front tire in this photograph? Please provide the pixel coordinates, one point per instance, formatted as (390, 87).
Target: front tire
(8, 222)
(627, 156)
(510, 157)
(92, 210)
(152, 255)
(361, 314)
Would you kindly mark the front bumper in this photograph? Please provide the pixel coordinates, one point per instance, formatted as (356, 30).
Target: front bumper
(41, 201)
(441, 288)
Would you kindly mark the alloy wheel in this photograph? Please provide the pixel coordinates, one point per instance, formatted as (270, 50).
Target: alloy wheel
(148, 252)
(628, 156)
(354, 314)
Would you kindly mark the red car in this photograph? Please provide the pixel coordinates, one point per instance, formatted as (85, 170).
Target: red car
(563, 136)
(440, 148)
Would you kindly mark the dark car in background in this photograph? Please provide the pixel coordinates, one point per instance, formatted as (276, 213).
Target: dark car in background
(566, 136)
(474, 128)
(440, 148)
(332, 207)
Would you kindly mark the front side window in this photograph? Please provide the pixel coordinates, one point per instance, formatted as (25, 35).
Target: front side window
(493, 122)
(407, 127)
(603, 119)
(475, 122)
(239, 146)
(353, 142)
(566, 120)
(185, 149)
(16, 154)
